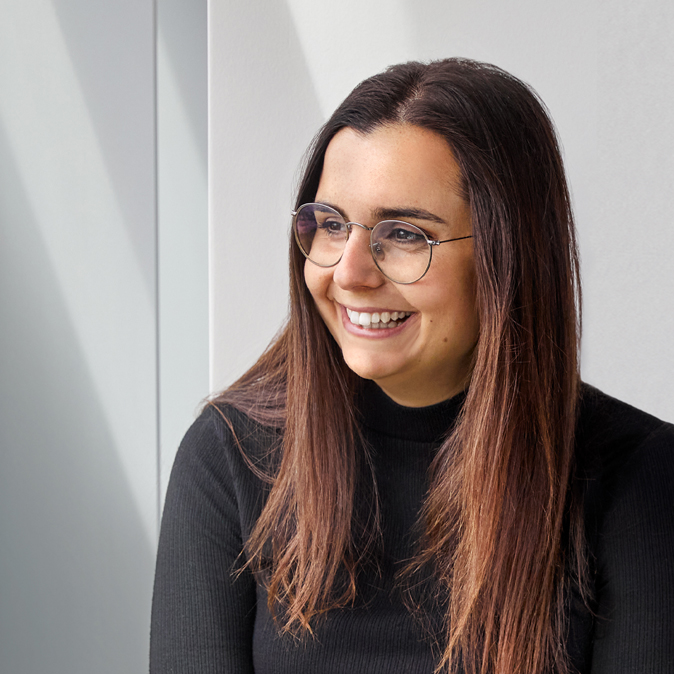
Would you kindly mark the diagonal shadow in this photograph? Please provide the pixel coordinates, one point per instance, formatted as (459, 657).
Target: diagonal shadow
(75, 563)
(264, 111)
(111, 47)
(183, 29)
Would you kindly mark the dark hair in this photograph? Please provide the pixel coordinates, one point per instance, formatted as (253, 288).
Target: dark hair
(503, 535)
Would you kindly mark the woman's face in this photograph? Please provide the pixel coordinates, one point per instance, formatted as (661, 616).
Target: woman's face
(406, 173)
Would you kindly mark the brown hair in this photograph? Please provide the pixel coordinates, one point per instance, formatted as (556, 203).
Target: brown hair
(503, 536)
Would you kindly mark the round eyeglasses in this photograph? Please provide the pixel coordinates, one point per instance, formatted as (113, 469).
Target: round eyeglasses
(401, 251)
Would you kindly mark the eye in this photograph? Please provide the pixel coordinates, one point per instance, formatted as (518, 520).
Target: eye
(332, 226)
(402, 234)
(393, 235)
(406, 235)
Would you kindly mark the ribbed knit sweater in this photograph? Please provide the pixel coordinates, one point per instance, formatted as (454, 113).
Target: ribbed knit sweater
(207, 620)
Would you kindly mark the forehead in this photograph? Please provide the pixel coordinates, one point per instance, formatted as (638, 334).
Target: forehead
(396, 165)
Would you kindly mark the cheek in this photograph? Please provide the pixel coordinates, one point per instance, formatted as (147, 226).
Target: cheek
(469, 300)
(317, 281)
(453, 316)
(310, 278)
(469, 289)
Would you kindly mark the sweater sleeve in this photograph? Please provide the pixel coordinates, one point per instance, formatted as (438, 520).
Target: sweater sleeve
(634, 625)
(202, 612)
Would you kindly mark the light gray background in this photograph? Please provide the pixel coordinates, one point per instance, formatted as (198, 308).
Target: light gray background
(103, 315)
(105, 328)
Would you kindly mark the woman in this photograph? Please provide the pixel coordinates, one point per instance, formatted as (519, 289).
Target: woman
(412, 478)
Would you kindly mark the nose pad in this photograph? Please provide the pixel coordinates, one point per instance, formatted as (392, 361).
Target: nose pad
(377, 251)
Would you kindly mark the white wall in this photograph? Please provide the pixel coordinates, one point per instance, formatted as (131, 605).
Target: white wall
(86, 394)
(263, 111)
(279, 67)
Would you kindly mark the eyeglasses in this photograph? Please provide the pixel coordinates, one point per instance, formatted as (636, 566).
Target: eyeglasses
(401, 251)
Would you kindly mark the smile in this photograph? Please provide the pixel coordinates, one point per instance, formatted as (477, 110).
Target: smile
(378, 320)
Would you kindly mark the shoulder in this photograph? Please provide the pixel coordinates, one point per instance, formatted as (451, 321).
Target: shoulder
(626, 460)
(223, 462)
(223, 435)
(626, 457)
(614, 439)
(627, 464)
(626, 468)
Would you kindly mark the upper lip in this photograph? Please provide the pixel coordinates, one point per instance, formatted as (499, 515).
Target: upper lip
(375, 310)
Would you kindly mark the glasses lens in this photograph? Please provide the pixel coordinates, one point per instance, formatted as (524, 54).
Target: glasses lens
(321, 233)
(401, 251)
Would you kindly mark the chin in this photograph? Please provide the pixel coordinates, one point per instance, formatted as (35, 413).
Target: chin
(369, 368)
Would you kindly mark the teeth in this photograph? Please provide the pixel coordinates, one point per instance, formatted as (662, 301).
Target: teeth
(385, 319)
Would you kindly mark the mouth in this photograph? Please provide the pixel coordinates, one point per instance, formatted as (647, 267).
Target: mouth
(376, 320)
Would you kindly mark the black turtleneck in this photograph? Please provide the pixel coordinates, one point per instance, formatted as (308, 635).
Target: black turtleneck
(207, 620)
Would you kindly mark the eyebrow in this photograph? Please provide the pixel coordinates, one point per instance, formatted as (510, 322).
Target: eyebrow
(380, 214)
(406, 213)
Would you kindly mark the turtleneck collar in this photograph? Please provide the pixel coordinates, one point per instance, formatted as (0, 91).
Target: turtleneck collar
(421, 424)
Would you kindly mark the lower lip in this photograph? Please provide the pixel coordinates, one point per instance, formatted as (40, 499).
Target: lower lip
(377, 333)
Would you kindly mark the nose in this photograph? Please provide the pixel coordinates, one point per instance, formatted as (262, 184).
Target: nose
(357, 269)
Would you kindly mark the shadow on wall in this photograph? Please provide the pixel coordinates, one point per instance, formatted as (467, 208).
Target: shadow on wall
(75, 563)
(264, 111)
(268, 107)
(111, 54)
(183, 26)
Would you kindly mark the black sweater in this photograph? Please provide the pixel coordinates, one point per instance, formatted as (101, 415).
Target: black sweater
(206, 620)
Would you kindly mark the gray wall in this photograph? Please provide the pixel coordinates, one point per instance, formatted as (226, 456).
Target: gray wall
(103, 359)
(279, 67)
(182, 158)
(78, 511)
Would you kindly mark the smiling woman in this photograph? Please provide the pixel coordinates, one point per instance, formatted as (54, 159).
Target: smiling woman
(412, 477)
(399, 170)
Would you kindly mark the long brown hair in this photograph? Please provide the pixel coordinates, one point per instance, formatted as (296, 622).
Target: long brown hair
(503, 535)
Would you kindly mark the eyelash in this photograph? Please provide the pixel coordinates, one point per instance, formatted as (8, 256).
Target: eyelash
(430, 235)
